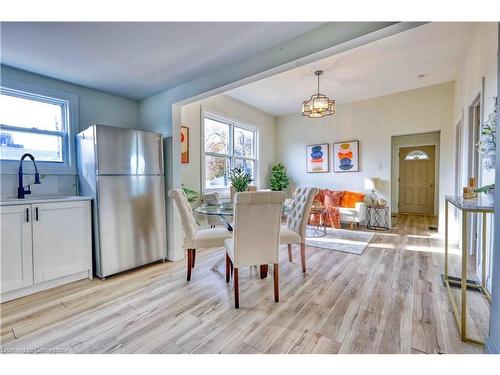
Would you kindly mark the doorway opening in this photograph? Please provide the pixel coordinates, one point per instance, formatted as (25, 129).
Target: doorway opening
(473, 166)
(415, 171)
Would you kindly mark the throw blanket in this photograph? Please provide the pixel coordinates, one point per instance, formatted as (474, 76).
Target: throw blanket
(332, 217)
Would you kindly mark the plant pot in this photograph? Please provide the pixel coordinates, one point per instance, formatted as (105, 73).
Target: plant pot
(490, 196)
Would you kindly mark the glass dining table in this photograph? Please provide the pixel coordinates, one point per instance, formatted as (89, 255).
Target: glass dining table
(224, 211)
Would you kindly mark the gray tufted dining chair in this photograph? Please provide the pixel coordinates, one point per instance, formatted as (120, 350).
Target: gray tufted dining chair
(195, 238)
(294, 231)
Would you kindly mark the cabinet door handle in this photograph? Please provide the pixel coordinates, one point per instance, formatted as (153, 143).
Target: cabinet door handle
(36, 213)
(27, 215)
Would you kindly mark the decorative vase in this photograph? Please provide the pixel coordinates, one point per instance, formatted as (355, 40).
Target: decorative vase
(490, 195)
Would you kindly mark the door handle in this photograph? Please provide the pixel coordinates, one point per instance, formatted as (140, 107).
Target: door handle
(36, 213)
(27, 215)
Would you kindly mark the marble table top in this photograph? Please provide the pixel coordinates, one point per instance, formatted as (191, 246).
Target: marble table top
(481, 203)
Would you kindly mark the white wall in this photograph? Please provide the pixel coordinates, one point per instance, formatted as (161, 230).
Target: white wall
(373, 122)
(480, 61)
(235, 110)
(93, 107)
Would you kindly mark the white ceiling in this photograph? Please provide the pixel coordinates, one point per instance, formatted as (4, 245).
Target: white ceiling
(380, 68)
(135, 59)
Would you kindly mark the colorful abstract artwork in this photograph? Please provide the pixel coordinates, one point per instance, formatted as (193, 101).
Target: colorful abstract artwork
(184, 145)
(346, 156)
(318, 157)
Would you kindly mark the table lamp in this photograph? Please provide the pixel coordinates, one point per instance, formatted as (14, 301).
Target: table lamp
(372, 184)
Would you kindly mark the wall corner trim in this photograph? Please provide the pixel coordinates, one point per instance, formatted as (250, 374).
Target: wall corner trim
(489, 346)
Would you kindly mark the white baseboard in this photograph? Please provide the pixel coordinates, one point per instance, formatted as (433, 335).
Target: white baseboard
(9, 296)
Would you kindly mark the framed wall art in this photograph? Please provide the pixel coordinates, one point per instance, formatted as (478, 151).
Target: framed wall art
(346, 156)
(318, 158)
(184, 144)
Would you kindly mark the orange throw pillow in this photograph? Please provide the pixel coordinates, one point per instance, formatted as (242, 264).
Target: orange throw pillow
(318, 198)
(333, 198)
(350, 198)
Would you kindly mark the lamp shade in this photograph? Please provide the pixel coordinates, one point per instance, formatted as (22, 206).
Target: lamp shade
(372, 183)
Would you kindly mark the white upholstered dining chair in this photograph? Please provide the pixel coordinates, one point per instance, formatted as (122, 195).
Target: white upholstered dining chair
(195, 238)
(294, 231)
(257, 219)
(212, 198)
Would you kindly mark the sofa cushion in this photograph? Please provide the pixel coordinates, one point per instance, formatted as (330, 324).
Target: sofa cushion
(346, 211)
(333, 198)
(350, 198)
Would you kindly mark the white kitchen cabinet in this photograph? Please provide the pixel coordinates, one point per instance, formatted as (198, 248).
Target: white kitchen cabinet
(44, 244)
(60, 239)
(16, 247)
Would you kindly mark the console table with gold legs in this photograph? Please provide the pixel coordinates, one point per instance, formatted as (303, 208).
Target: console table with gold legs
(482, 206)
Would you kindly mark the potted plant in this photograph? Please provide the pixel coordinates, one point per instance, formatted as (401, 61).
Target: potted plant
(240, 179)
(279, 179)
(191, 195)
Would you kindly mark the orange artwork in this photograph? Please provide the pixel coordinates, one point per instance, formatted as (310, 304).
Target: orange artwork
(184, 145)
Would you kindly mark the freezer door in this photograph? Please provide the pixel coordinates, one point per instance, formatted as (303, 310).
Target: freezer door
(149, 153)
(117, 150)
(131, 222)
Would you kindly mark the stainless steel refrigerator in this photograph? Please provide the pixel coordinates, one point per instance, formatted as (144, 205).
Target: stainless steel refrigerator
(122, 169)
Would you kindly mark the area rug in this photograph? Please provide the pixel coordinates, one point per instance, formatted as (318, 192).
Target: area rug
(347, 241)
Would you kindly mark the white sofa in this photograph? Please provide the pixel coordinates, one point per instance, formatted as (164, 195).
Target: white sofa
(353, 215)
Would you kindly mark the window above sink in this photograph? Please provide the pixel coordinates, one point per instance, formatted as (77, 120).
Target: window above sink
(40, 121)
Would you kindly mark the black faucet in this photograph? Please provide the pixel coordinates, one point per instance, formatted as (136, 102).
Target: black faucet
(21, 191)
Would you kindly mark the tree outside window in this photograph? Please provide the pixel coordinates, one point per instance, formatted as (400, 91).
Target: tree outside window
(227, 145)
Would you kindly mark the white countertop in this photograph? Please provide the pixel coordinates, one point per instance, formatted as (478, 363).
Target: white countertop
(42, 199)
(480, 203)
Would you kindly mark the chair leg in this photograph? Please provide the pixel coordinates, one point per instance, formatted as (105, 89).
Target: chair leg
(276, 283)
(193, 257)
(228, 267)
(263, 271)
(303, 256)
(352, 225)
(236, 290)
(290, 258)
(189, 264)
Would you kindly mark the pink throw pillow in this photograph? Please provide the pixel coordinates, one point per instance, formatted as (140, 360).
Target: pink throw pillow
(333, 198)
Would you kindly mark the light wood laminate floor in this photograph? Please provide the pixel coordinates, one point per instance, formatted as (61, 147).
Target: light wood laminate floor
(390, 299)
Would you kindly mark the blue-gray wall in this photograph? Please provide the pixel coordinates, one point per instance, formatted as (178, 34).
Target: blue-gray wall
(93, 107)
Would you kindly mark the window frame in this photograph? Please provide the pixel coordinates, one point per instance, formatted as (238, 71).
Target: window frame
(70, 126)
(412, 158)
(232, 123)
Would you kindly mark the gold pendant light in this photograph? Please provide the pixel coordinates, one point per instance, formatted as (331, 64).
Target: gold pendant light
(318, 105)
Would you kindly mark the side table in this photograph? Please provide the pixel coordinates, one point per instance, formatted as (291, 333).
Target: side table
(377, 218)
